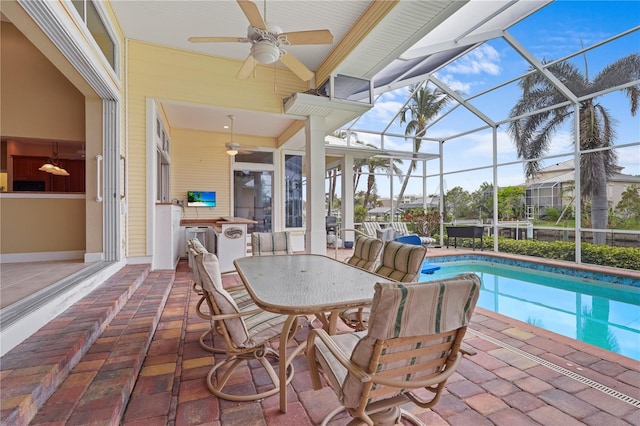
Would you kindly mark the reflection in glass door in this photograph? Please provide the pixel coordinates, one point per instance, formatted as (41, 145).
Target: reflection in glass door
(253, 198)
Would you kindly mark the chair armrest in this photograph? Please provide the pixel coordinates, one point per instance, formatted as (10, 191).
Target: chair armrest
(235, 288)
(340, 356)
(218, 317)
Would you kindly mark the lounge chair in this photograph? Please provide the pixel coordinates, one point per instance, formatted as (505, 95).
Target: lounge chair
(371, 228)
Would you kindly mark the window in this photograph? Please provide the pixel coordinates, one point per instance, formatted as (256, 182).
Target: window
(293, 191)
(96, 26)
(163, 163)
(253, 197)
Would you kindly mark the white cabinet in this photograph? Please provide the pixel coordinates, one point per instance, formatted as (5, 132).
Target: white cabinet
(167, 251)
(231, 243)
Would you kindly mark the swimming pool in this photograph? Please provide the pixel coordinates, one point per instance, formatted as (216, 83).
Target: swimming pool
(600, 312)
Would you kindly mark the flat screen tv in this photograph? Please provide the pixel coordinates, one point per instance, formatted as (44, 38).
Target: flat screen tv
(201, 199)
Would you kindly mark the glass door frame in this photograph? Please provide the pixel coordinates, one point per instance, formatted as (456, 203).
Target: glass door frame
(275, 185)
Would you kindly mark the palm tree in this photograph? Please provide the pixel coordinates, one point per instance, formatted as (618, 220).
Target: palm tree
(423, 106)
(332, 177)
(532, 134)
(375, 164)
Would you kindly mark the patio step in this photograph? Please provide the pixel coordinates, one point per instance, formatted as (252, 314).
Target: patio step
(32, 371)
(99, 387)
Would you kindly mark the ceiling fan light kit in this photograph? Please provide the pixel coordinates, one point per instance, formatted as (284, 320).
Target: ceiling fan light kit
(265, 52)
(232, 148)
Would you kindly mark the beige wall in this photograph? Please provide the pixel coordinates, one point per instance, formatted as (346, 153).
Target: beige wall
(169, 74)
(42, 224)
(37, 101)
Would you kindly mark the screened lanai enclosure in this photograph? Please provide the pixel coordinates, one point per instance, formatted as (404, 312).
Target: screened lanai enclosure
(513, 121)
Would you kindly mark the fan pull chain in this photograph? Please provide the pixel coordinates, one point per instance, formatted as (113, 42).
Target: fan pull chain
(275, 78)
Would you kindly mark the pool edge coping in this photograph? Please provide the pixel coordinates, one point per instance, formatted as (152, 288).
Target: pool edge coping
(616, 275)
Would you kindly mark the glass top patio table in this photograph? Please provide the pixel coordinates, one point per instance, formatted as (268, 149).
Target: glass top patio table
(303, 284)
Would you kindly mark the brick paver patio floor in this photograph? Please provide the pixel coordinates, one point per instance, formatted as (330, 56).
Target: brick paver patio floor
(521, 375)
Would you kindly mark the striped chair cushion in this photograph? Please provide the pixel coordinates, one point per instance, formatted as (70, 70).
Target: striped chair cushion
(248, 331)
(410, 310)
(197, 245)
(270, 243)
(401, 262)
(366, 252)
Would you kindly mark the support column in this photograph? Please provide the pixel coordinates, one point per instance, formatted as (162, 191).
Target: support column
(347, 198)
(316, 234)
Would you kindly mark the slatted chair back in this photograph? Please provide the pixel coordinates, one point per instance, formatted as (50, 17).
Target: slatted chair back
(400, 228)
(271, 243)
(371, 228)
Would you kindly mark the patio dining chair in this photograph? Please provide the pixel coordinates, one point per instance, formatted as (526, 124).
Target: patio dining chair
(271, 243)
(400, 262)
(239, 294)
(246, 331)
(366, 252)
(413, 343)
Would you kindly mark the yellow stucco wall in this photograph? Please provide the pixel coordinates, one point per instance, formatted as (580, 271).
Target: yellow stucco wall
(169, 74)
(199, 162)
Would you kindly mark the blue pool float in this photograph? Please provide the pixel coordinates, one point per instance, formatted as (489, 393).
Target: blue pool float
(429, 269)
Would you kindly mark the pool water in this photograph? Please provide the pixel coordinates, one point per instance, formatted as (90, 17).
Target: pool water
(600, 313)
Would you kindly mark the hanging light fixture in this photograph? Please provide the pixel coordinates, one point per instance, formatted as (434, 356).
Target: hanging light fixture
(52, 165)
(232, 147)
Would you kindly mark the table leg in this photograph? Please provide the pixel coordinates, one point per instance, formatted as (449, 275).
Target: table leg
(283, 362)
(332, 326)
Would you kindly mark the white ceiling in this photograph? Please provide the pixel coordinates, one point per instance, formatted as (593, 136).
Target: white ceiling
(149, 20)
(446, 27)
(171, 23)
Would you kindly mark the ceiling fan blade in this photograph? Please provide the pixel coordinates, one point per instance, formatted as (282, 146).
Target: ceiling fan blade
(218, 39)
(252, 13)
(310, 37)
(297, 67)
(247, 68)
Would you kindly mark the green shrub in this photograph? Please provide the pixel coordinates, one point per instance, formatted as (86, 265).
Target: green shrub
(552, 214)
(617, 257)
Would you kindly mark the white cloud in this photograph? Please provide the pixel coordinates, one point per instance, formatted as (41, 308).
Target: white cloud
(385, 110)
(454, 84)
(484, 59)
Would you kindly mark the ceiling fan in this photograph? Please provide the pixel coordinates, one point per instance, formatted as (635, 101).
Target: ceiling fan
(234, 148)
(268, 41)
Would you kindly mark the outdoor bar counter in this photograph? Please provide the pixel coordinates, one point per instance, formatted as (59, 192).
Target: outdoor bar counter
(230, 237)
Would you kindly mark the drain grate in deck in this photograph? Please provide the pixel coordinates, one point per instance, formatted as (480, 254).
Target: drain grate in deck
(595, 385)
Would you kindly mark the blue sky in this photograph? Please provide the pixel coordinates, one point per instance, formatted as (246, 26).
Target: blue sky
(551, 33)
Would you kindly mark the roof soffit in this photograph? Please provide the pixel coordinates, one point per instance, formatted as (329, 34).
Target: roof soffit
(401, 27)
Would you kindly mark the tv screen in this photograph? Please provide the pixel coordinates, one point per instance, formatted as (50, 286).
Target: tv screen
(201, 199)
